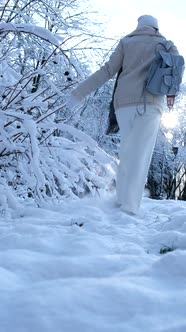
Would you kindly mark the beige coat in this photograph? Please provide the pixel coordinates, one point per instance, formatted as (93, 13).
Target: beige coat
(134, 54)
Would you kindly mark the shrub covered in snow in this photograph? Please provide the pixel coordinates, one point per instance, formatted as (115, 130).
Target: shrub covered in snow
(48, 161)
(42, 156)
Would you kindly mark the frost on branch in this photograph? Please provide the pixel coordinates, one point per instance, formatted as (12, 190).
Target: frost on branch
(68, 165)
(30, 29)
(43, 160)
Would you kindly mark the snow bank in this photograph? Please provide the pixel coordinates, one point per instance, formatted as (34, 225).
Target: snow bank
(86, 266)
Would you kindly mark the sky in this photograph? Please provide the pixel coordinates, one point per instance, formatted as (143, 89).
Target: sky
(121, 17)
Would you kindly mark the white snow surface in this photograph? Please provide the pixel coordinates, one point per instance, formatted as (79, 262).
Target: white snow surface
(86, 266)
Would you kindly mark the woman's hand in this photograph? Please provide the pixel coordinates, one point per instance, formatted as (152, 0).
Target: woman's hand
(170, 101)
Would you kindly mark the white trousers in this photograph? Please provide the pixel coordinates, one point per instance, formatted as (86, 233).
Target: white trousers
(138, 130)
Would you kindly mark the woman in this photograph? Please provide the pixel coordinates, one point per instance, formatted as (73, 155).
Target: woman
(138, 127)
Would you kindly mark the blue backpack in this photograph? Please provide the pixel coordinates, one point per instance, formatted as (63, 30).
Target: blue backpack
(165, 74)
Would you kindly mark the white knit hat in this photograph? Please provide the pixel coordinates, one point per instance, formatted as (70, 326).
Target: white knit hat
(147, 20)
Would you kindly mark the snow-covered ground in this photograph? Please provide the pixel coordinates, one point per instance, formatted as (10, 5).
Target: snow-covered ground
(88, 267)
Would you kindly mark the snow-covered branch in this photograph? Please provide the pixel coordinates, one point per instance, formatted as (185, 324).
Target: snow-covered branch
(30, 29)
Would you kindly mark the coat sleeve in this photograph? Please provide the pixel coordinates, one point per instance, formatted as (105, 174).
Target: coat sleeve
(106, 72)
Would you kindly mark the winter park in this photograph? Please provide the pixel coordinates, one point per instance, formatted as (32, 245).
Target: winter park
(72, 259)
